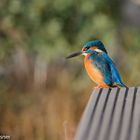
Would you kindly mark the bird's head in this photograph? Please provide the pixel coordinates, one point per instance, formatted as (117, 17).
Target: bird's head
(95, 46)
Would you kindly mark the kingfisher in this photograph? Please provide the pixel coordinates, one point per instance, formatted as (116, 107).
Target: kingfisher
(99, 66)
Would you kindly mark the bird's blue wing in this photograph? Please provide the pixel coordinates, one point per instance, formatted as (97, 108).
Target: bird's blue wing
(114, 72)
(108, 69)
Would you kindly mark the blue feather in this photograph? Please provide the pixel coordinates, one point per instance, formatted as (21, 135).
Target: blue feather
(116, 78)
(103, 67)
(108, 69)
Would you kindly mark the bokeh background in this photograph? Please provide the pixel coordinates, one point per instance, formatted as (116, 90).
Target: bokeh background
(42, 95)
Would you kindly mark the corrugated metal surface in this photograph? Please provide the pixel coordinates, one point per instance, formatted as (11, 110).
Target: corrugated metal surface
(111, 114)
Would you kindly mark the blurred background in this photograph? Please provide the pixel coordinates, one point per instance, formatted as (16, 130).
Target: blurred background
(41, 94)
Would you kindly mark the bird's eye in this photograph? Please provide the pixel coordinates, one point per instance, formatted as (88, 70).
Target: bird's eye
(86, 48)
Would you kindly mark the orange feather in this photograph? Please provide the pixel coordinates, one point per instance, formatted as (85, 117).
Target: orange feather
(94, 73)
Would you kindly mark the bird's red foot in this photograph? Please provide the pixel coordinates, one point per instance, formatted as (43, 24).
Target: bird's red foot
(102, 86)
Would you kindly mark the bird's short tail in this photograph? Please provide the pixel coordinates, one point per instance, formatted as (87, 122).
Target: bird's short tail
(122, 85)
(119, 85)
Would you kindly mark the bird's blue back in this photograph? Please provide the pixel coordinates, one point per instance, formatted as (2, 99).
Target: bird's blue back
(108, 69)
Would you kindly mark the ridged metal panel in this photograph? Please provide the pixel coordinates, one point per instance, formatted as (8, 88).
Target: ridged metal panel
(111, 114)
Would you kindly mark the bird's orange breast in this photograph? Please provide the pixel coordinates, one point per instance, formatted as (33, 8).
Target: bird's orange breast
(93, 72)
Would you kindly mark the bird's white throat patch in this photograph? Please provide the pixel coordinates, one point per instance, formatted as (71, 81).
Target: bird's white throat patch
(85, 54)
(98, 50)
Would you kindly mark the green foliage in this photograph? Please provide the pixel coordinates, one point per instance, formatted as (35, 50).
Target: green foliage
(53, 23)
(55, 28)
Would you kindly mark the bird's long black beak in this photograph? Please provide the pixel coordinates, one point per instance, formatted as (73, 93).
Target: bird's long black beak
(74, 54)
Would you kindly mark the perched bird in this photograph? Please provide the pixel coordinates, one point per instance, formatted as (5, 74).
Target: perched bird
(99, 65)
